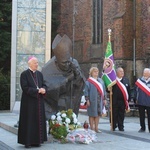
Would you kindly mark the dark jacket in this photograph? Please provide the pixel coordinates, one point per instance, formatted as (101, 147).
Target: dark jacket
(142, 98)
(117, 96)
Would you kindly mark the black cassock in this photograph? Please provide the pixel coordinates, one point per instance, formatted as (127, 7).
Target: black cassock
(32, 123)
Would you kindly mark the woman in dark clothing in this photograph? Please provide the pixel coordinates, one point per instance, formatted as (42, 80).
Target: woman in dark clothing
(32, 123)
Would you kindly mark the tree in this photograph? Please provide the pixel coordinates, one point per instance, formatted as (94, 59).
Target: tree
(5, 34)
(5, 52)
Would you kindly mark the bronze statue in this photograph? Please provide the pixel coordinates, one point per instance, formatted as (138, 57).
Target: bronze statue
(63, 77)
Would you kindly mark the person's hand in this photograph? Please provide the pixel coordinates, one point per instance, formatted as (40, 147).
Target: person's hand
(105, 102)
(136, 102)
(88, 103)
(42, 91)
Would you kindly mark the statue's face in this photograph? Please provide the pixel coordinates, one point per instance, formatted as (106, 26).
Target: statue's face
(64, 63)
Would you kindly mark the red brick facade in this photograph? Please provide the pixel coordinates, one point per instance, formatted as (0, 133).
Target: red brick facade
(128, 27)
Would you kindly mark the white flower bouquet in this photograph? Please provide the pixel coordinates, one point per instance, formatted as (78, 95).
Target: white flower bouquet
(61, 124)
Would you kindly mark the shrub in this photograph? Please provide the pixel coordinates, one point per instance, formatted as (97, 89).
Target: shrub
(5, 91)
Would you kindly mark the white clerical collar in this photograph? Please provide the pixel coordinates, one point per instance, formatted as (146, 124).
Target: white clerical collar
(31, 70)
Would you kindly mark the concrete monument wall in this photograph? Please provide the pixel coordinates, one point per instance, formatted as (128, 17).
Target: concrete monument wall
(31, 35)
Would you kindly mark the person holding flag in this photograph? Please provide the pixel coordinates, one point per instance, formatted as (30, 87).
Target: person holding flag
(109, 73)
(143, 98)
(110, 79)
(95, 95)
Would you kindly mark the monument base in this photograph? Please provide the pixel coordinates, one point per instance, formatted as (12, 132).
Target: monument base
(16, 108)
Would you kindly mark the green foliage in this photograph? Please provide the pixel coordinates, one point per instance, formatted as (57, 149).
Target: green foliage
(5, 91)
(5, 33)
(58, 131)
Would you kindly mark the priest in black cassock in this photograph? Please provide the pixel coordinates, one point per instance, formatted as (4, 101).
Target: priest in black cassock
(32, 123)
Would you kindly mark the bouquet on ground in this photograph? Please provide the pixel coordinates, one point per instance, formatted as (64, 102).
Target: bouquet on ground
(81, 135)
(61, 124)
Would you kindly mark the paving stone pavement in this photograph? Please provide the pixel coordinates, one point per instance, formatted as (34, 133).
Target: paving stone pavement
(130, 139)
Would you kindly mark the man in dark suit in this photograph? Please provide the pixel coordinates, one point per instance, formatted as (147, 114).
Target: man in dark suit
(32, 123)
(120, 98)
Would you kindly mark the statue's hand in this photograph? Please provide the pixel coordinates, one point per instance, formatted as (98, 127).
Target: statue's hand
(75, 70)
(70, 77)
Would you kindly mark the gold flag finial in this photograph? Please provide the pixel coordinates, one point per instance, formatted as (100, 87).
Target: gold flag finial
(109, 34)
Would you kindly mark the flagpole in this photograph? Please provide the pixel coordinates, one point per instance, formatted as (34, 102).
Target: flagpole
(111, 110)
(111, 115)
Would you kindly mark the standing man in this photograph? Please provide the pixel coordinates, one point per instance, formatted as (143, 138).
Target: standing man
(143, 98)
(120, 98)
(32, 123)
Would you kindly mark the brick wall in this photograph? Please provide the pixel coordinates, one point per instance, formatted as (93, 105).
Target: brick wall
(117, 15)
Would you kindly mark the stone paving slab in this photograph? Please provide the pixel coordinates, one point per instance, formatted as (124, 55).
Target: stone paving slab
(3, 146)
(130, 139)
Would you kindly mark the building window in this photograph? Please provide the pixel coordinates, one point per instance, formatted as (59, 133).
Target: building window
(97, 21)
